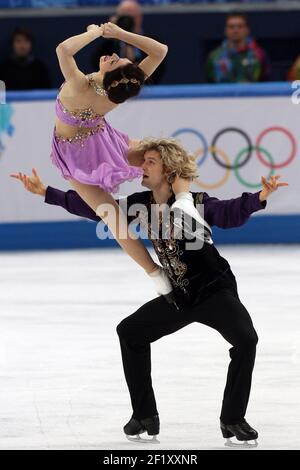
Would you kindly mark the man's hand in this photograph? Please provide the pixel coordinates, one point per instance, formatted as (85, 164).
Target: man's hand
(32, 183)
(270, 186)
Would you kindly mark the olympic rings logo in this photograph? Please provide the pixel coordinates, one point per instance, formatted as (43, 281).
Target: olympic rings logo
(242, 157)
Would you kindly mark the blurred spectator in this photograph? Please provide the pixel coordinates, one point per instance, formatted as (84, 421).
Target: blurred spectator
(239, 58)
(133, 9)
(129, 17)
(294, 71)
(22, 71)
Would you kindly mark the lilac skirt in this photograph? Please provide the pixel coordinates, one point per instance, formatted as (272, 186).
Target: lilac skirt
(99, 158)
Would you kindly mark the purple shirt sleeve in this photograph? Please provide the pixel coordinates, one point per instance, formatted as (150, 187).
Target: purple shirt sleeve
(71, 202)
(231, 213)
(221, 213)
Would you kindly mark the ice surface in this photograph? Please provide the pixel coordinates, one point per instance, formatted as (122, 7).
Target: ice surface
(62, 383)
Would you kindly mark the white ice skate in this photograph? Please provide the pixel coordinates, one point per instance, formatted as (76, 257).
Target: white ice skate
(143, 440)
(241, 445)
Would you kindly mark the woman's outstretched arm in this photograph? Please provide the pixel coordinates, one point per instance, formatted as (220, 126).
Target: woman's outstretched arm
(67, 49)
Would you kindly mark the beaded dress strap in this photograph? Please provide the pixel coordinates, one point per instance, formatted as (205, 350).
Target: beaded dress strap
(99, 90)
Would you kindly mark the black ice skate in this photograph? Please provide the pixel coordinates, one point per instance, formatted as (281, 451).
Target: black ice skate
(135, 427)
(242, 432)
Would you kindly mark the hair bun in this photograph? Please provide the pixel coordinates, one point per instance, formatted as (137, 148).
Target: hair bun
(124, 82)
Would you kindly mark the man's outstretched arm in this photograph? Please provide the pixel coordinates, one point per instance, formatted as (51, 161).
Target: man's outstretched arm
(69, 200)
(235, 212)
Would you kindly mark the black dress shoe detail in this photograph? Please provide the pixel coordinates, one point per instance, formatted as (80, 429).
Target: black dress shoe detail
(151, 425)
(135, 426)
(242, 431)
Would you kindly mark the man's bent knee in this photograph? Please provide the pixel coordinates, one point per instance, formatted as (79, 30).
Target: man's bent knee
(121, 329)
(248, 341)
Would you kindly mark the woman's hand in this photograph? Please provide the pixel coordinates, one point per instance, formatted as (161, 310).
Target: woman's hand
(98, 30)
(111, 30)
(33, 183)
(270, 186)
(180, 185)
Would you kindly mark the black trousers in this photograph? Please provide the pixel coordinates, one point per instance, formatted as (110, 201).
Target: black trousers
(222, 311)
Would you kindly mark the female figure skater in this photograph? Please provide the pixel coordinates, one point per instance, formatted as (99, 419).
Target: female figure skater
(88, 151)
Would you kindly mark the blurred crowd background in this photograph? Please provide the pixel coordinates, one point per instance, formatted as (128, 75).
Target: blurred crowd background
(75, 3)
(210, 41)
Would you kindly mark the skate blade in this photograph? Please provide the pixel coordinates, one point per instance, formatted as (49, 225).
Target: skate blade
(244, 445)
(141, 440)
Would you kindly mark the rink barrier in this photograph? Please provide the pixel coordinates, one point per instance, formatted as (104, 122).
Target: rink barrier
(82, 234)
(180, 91)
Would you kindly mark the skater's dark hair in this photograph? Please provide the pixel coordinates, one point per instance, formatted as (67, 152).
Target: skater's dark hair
(124, 82)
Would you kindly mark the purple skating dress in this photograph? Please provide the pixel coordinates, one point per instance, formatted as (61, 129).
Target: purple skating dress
(98, 156)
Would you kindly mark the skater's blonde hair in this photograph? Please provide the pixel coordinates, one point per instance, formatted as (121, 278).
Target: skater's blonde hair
(174, 157)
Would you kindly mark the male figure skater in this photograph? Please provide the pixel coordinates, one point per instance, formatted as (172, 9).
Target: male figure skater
(204, 285)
